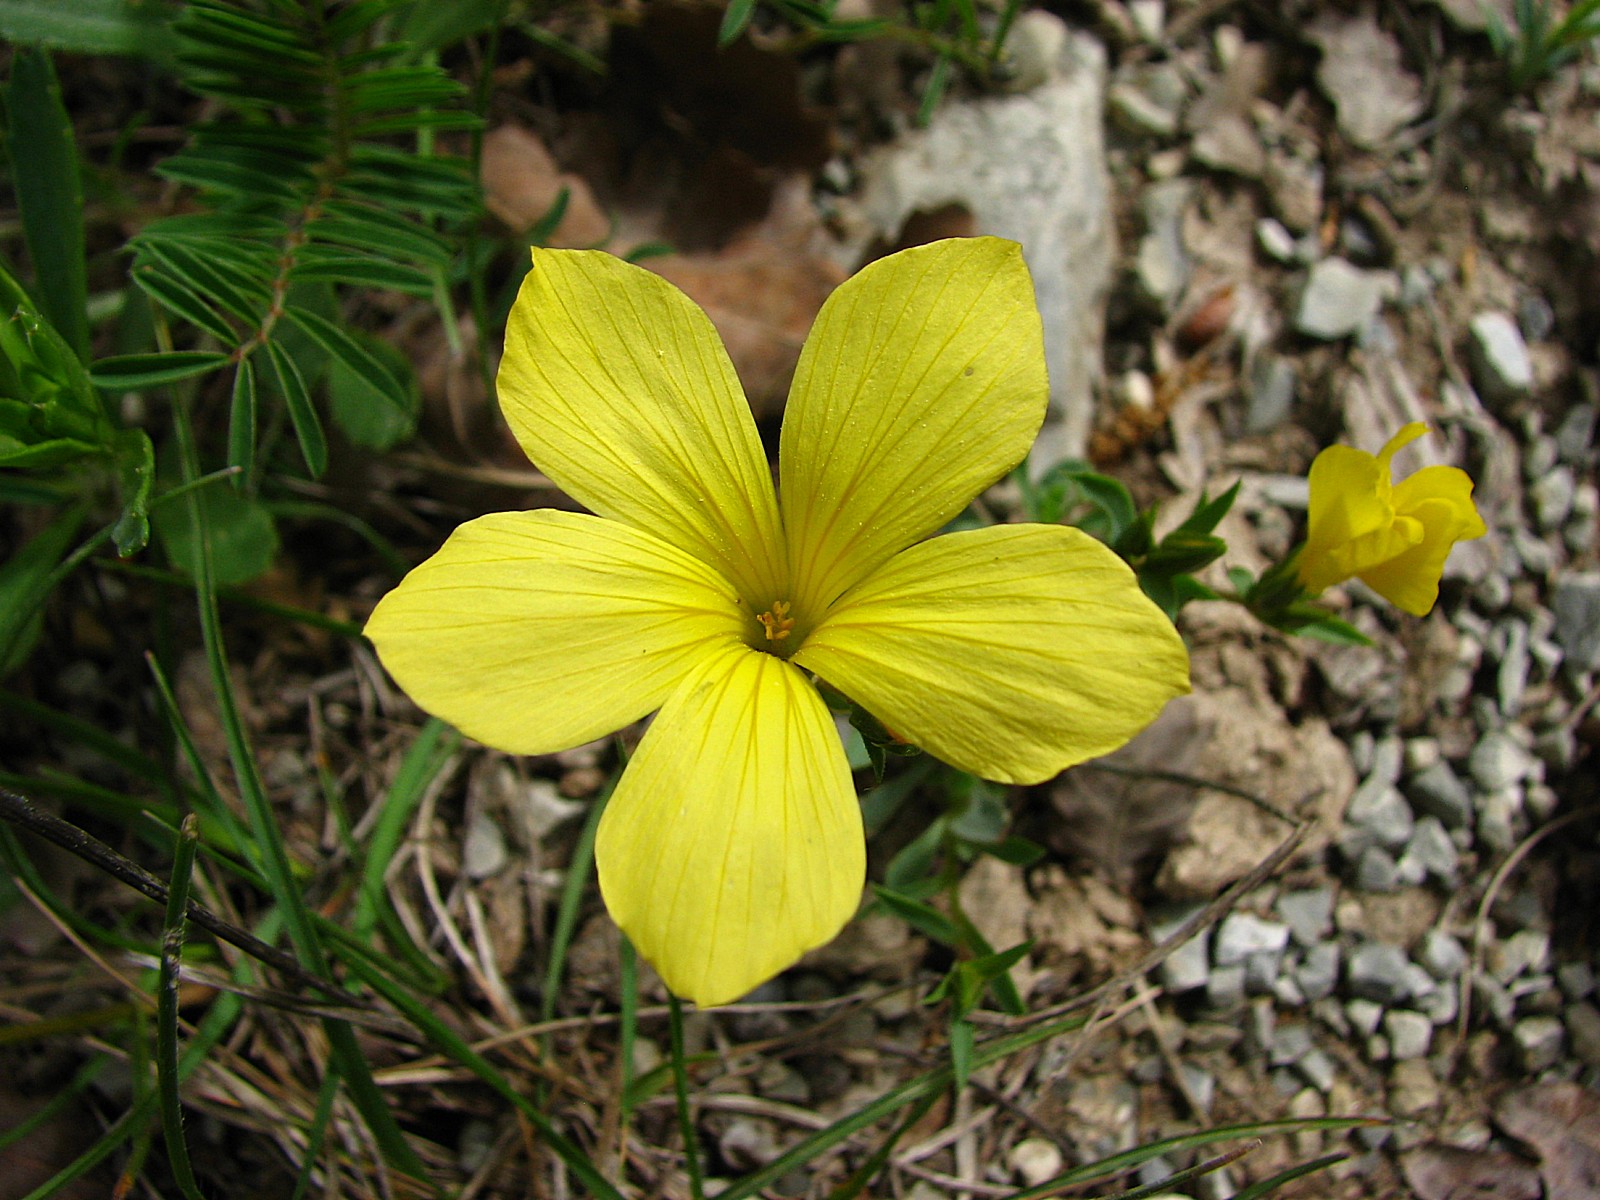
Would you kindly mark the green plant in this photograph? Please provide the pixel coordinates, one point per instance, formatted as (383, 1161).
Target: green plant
(1539, 42)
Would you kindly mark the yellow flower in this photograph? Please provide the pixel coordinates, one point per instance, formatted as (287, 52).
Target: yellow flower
(1393, 537)
(733, 843)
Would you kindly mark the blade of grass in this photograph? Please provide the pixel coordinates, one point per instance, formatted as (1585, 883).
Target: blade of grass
(167, 1008)
(56, 1105)
(572, 888)
(1266, 1187)
(863, 1175)
(317, 1132)
(352, 1065)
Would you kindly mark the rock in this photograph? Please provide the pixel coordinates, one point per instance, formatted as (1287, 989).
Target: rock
(483, 852)
(1035, 1160)
(1413, 1090)
(1443, 956)
(1294, 189)
(1431, 848)
(1339, 299)
(1500, 761)
(1489, 996)
(1442, 1007)
(1033, 49)
(1199, 1084)
(1576, 979)
(1501, 368)
(1309, 914)
(1318, 973)
(1381, 812)
(1317, 1069)
(1243, 934)
(1187, 967)
(1539, 1041)
(1378, 971)
(1147, 103)
(1409, 1033)
(1364, 1016)
(1575, 435)
(1225, 987)
(1377, 871)
(1361, 72)
(1552, 494)
(1575, 601)
(1438, 792)
(1583, 1030)
(1276, 242)
(1029, 167)
(1149, 18)
(1526, 952)
(1161, 265)
(1290, 1043)
(1270, 389)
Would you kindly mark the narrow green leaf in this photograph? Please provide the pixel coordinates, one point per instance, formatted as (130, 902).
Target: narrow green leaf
(25, 582)
(136, 473)
(182, 301)
(579, 866)
(938, 81)
(922, 917)
(355, 270)
(135, 372)
(302, 412)
(45, 174)
(242, 426)
(88, 26)
(734, 19)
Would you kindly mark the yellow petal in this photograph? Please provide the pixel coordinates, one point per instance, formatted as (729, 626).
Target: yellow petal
(1011, 652)
(733, 843)
(1345, 504)
(922, 382)
(537, 631)
(1439, 500)
(619, 389)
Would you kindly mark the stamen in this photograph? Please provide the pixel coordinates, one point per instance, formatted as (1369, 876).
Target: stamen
(777, 621)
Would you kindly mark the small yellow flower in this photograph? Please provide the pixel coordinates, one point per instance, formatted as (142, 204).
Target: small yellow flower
(733, 843)
(1393, 537)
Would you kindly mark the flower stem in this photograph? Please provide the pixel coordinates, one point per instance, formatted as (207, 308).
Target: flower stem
(680, 1082)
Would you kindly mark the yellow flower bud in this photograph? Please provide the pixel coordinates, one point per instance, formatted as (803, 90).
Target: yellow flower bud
(1393, 537)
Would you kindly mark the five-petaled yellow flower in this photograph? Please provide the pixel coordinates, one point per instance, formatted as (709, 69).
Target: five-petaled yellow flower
(1393, 537)
(733, 843)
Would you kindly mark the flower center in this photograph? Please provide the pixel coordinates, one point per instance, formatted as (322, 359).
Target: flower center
(777, 624)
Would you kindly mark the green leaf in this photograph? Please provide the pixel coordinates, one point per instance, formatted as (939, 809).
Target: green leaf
(373, 407)
(1018, 851)
(136, 472)
(1112, 498)
(88, 26)
(922, 917)
(182, 301)
(435, 26)
(302, 412)
(242, 425)
(24, 582)
(135, 372)
(961, 1039)
(1207, 513)
(1183, 551)
(244, 540)
(45, 173)
(734, 20)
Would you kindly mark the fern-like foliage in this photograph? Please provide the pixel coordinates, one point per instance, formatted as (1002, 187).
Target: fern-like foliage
(314, 178)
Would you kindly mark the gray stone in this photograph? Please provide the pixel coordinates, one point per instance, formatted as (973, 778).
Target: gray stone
(1443, 956)
(1413, 1089)
(1540, 454)
(1539, 1041)
(1161, 264)
(1575, 601)
(1500, 819)
(483, 852)
(1431, 848)
(1490, 996)
(1583, 1030)
(1276, 242)
(1318, 973)
(1552, 495)
(1526, 952)
(1137, 111)
(1339, 299)
(1409, 1033)
(1243, 934)
(1499, 761)
(1309, 914)
(1511, 680)
(1270, 389)
(1575, 435)
(1576, 979)
(1362, 71)
(1501, 368)
(1442, 1007)
(1290, 1043)
(1262, 971)
(1317, 1069)
(1285, 990)
(1438, 792)
(1377, 971)
(1364, 1016)
(1225, 987)
(1187, 967)
(1031, 167)
(1421, 753)
(1377, 871)
(1378, 809)
(1535, 317)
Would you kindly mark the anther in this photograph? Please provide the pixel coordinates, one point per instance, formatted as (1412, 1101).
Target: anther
(777, 621)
